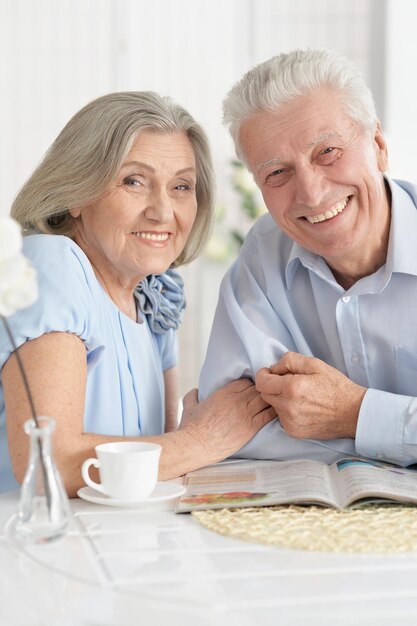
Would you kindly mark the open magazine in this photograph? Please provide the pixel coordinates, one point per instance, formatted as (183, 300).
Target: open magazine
(262, 483)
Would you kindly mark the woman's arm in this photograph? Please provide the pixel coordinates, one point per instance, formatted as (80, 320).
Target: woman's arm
(171, 399)
(57, 371)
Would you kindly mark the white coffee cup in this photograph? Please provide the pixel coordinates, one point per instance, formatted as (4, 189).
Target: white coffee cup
(128, 470)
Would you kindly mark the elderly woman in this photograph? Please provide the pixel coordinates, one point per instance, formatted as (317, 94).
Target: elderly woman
(122, 195)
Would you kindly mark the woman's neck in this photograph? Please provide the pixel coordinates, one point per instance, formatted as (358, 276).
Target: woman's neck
(120, 291)
(123, 297)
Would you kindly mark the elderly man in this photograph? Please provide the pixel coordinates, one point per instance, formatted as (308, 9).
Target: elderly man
(320, 307)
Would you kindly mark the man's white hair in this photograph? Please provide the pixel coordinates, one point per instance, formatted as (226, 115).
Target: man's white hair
(288, 76)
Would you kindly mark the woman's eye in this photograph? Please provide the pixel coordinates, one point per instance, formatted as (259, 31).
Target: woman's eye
(184, 187)
(327, 150)
(131, 182)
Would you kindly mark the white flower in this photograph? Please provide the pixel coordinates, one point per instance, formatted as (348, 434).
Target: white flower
(10, 238)
(18, 285)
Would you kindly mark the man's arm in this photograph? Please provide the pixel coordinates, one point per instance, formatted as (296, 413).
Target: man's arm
(246, 334)
(315, 400)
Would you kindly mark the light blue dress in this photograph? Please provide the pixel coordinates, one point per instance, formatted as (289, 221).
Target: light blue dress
(125, 359)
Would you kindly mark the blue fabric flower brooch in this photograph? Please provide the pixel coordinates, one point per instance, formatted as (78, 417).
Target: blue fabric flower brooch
(161, 299)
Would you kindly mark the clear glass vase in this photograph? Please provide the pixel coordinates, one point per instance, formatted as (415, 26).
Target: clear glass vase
(44, 511)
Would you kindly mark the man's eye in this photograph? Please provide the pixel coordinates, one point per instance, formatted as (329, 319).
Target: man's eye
(274, 174)
(329, 155)
(278, 177)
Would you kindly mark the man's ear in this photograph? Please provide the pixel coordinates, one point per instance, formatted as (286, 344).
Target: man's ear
(75, 213)
(381, 148)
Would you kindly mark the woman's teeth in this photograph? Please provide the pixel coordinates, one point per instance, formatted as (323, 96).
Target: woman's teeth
(152, 236)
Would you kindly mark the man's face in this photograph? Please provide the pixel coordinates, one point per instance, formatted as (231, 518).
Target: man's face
(320, 174)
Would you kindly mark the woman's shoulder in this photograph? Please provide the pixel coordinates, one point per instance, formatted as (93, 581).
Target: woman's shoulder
(62, 267)
(58, 249)
(67, 294)
(58, 258)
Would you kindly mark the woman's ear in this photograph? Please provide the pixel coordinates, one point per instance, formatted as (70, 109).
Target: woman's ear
(381, 148)
(75, 213)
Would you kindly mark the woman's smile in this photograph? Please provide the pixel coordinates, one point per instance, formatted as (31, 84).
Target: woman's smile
(154, 239)
(152, 236)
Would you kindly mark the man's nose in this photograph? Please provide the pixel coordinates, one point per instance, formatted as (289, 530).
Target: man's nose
(159, 207)
(310, 187)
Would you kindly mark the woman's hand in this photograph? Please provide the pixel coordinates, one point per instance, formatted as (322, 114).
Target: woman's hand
(227, 420)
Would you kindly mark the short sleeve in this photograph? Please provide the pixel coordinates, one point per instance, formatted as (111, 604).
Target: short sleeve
(66, 301)
(168, 348)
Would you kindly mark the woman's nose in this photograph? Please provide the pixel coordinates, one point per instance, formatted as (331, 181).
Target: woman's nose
(159, 207)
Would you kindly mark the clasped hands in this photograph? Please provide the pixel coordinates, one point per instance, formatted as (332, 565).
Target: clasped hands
(312, 399)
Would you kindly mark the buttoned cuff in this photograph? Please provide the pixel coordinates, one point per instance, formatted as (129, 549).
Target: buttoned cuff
(380, 430)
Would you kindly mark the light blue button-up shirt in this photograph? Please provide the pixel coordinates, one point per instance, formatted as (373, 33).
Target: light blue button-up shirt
(278, 296)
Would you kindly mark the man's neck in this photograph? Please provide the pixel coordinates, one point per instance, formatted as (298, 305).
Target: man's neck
(370, 260)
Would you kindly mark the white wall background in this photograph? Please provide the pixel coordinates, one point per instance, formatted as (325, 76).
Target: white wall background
(56, 55)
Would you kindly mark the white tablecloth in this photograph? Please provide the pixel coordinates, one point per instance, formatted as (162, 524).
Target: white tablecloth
(151, 567)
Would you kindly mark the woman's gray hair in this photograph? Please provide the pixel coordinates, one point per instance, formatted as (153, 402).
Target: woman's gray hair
(87, 155)
(288, 76)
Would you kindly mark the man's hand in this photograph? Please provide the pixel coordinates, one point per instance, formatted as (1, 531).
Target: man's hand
(312, 399)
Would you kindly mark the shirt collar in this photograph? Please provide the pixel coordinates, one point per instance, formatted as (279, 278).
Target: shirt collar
(402, 244)
(300, 256)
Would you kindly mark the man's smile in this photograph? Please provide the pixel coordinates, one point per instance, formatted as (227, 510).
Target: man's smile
(330, 213)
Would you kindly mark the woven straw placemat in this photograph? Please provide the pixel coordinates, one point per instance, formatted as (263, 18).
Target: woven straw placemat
(371, 528)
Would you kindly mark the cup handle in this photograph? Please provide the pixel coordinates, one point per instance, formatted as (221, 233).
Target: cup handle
(86, 476)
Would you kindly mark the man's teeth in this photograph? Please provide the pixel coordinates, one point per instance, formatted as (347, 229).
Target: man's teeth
(152, 236)
(338, 208)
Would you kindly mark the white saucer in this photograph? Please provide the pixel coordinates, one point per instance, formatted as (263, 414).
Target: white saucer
(163, 491)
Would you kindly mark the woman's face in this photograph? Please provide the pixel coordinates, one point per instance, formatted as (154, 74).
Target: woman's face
(140, 224)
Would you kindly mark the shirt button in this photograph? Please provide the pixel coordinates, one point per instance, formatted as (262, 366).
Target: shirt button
(355, 358)
(346, 299)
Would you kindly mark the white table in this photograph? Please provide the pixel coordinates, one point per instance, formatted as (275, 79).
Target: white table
(151, 567)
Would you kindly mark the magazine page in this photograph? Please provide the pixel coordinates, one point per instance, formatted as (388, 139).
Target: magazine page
(256, 483)
(358, 479)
